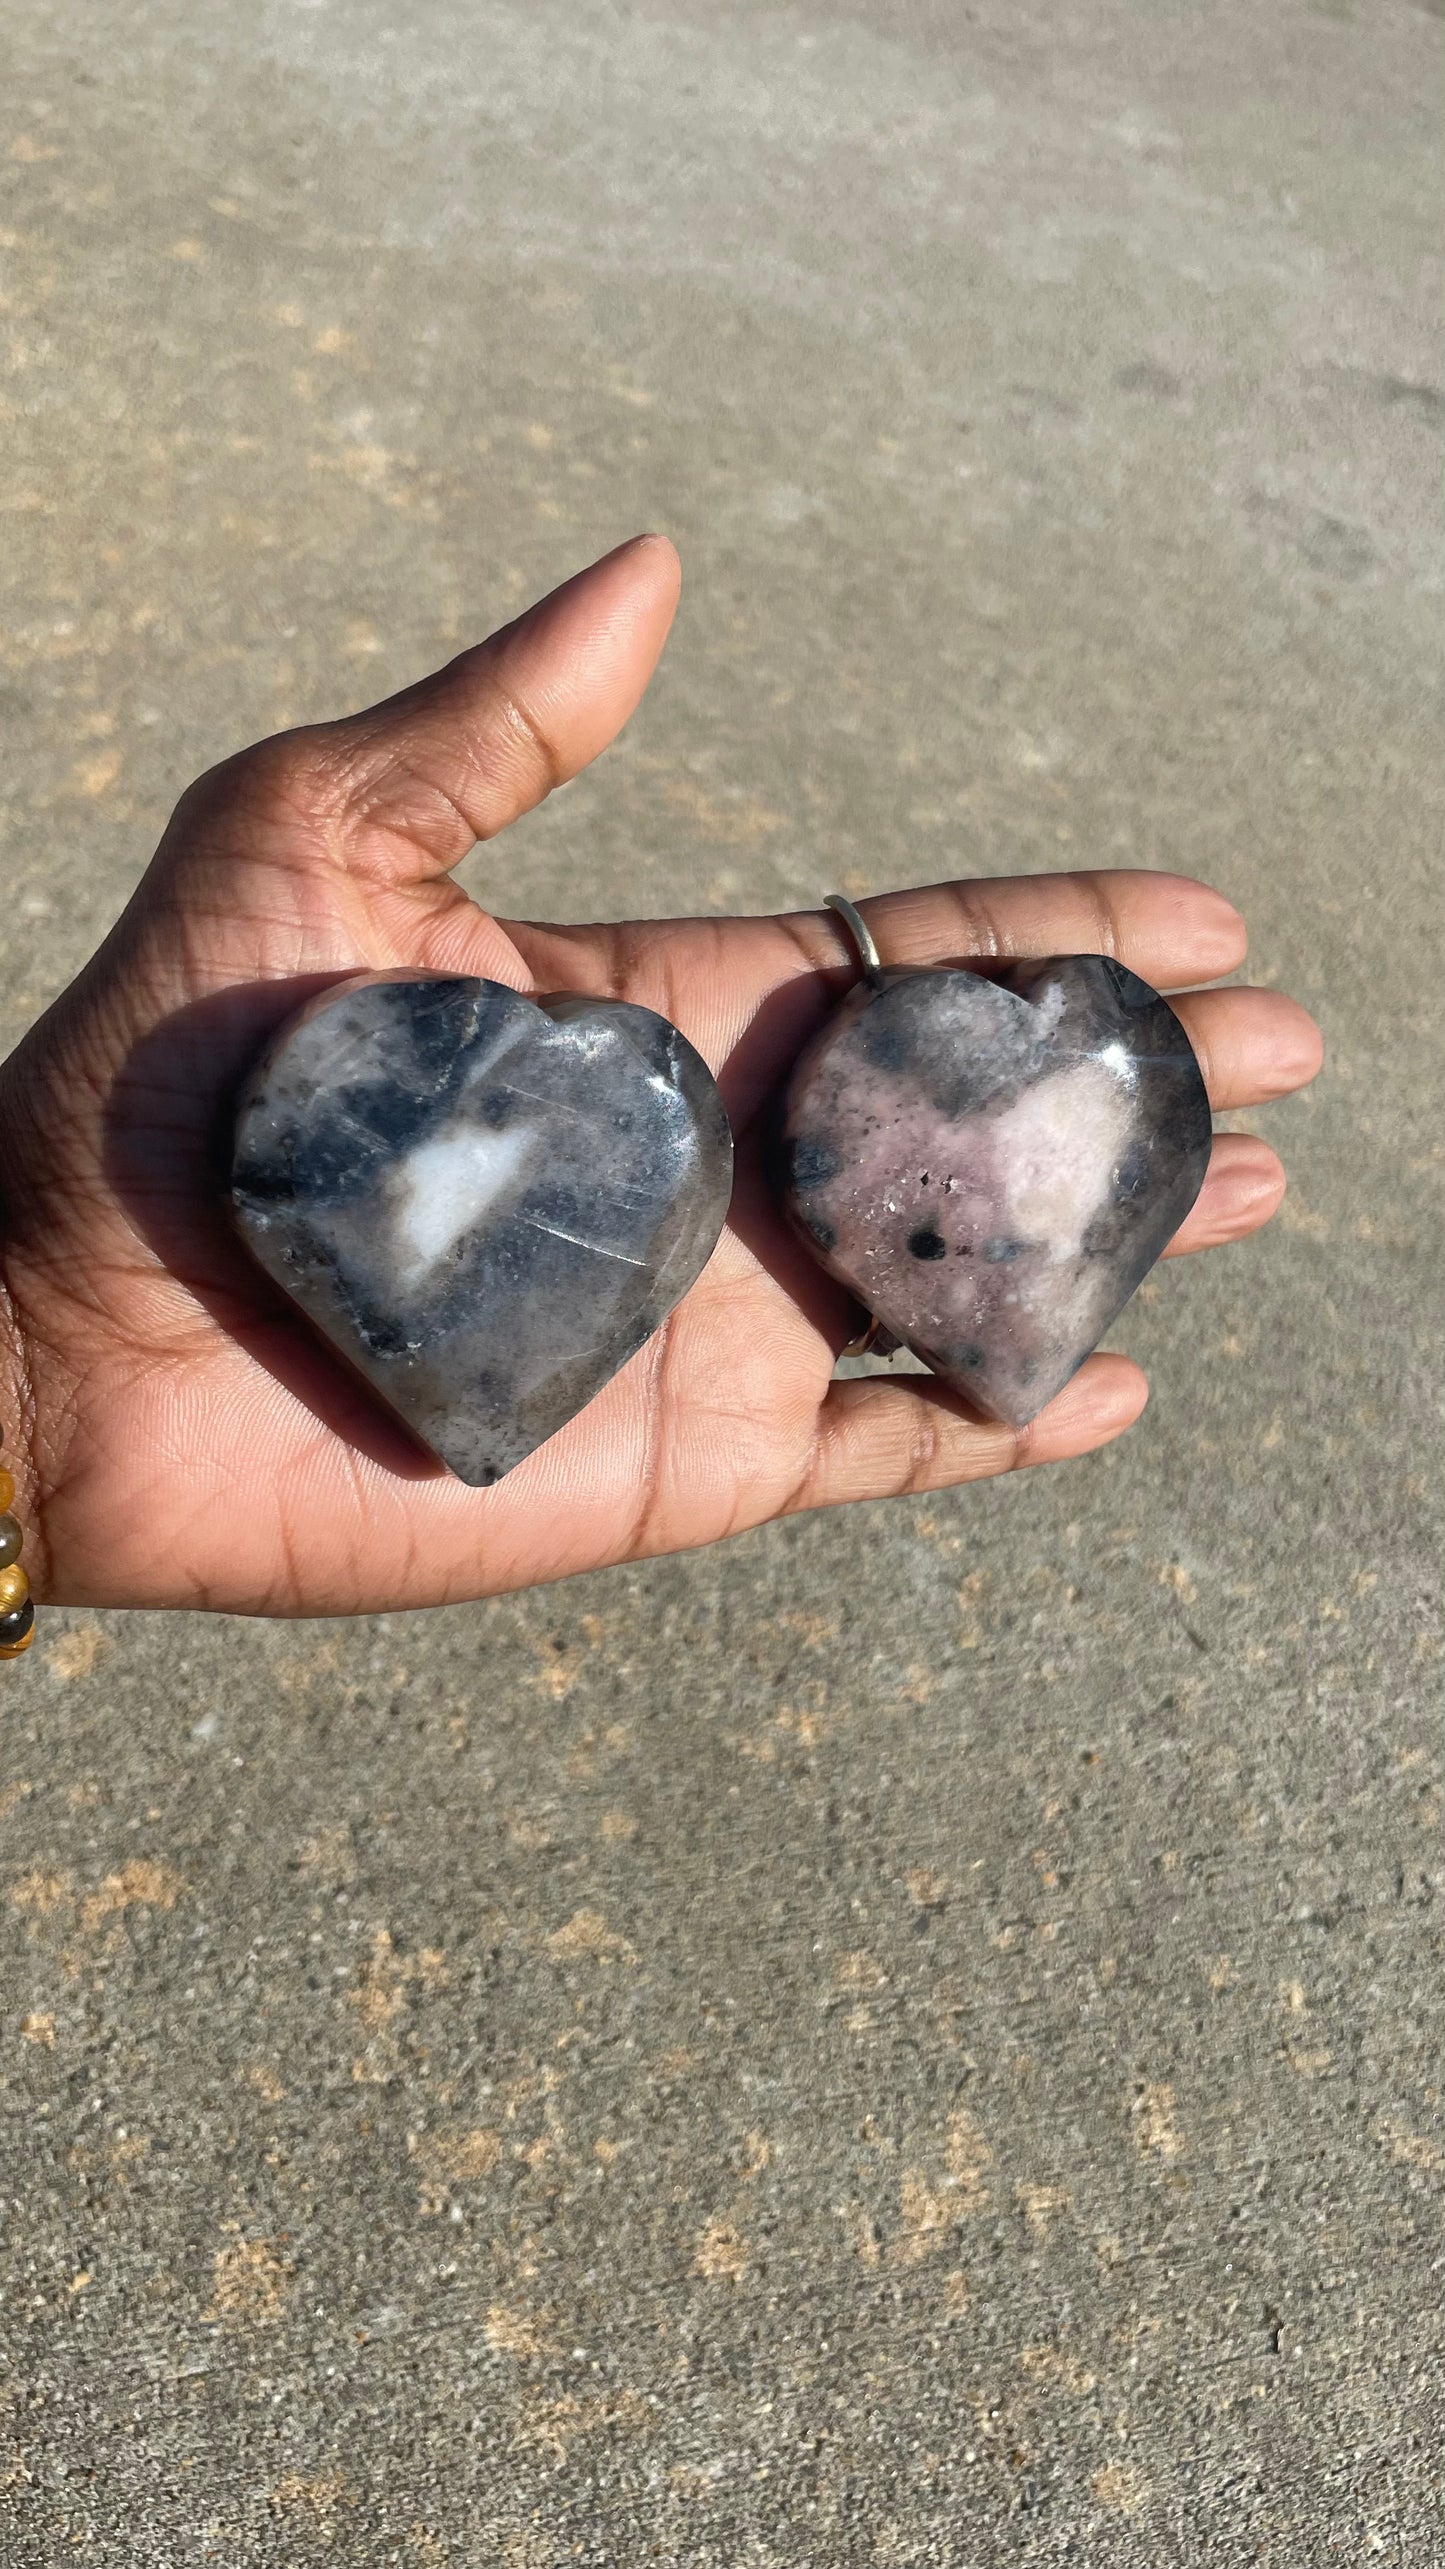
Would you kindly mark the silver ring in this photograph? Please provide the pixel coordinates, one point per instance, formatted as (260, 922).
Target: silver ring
(860, 934)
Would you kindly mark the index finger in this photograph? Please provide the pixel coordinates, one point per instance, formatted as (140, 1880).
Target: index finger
(1169, 929)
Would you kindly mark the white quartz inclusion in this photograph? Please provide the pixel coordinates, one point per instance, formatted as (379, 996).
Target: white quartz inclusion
(1055, 1153)
(445, 1185)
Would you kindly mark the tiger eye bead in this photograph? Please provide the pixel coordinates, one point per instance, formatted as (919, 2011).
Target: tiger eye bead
(17, 1630)
(11, 1538)
(7, 1490)
(14, 1588)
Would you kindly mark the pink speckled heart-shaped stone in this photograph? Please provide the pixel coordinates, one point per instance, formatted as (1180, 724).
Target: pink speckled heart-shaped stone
(993, 1166)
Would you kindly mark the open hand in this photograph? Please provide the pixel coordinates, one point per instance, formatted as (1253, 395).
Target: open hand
(179, 1436)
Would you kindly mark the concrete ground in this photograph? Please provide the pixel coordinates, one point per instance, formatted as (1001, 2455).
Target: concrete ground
(915, 2037)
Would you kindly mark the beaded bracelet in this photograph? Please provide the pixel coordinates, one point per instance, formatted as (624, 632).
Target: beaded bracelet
(17, 1610)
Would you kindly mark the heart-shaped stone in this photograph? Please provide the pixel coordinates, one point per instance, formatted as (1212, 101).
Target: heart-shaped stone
(486, 1203)
(993, 1166)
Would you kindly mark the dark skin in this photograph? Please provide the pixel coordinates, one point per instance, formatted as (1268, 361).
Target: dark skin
(180, 1439)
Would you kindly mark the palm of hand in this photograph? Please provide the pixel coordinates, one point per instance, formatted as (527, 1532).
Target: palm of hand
(193, 1445)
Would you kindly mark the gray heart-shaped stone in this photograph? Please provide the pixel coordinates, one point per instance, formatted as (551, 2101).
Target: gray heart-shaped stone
(486, 1203)
(993, 1166)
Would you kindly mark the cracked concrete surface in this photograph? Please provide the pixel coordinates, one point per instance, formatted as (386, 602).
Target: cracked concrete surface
(914, 2037)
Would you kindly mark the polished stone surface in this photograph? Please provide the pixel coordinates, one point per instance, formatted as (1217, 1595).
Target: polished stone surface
(993, 1167)
(486, 1203)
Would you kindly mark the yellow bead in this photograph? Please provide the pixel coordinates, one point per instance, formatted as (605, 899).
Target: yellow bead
(14, 1588)
(13, 1649)
(7, 1490)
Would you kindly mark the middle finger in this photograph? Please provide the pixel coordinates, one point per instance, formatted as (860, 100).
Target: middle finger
(1251, 1045)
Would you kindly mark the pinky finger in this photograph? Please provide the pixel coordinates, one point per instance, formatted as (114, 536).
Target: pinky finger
(882, 1437)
